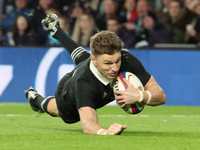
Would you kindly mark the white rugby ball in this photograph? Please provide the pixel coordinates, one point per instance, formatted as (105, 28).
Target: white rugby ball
(120, 85)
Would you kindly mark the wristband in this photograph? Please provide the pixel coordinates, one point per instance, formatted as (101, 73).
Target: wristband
(102, 132)
(149, 97)
(141, 97)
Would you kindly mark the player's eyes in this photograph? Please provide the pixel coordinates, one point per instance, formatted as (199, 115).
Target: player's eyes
(118, 61)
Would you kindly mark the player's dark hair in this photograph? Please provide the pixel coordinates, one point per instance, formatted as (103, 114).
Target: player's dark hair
(105, 42)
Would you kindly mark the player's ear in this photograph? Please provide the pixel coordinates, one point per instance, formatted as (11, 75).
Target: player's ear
(93, 59)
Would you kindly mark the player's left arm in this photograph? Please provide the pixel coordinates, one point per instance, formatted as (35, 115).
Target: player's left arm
(89, 122)
(156, 95)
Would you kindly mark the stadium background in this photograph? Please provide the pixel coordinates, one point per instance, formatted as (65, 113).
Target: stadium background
(177, 72)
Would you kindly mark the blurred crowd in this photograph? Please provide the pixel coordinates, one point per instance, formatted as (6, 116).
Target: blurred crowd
(134, 21)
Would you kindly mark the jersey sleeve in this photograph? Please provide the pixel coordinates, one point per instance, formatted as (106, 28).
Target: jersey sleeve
(86, 93)
(132, 64)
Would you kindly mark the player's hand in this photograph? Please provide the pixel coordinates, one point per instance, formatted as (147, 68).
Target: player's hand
(128, 96)
(116, 129)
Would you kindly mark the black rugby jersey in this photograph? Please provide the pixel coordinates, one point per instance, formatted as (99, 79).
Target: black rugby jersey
(84, 88)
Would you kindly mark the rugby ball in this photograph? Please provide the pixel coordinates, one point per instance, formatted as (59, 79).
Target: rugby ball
(120, 85)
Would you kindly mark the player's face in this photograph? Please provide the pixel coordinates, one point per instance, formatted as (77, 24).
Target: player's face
(108, 65)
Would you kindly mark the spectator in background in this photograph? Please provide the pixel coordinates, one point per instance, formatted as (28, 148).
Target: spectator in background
(186, 14)
(1, 7)
(39, 14)
(110, 8)
(64, 24)
(129, 12)
(53, 8)
(76, 10)
(172, 26)
(22, 33)
(155, 33)
(33, 4)
(193, 29)
(91, 6)
(147, 31)
(142, 9)
(163, 13)
(8, 20)
(84, 28)
(126, 36)
(7, 6)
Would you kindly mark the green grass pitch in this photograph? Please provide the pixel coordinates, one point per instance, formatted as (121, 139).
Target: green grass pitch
(155, 128)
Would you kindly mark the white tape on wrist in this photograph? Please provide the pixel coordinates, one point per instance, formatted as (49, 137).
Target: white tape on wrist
(103, 133)
(149, 97)
(141, 96)
(100, 131)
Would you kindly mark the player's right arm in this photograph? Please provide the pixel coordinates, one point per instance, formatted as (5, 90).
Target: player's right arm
(89, 122)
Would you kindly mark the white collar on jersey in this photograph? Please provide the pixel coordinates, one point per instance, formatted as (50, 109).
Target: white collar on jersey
(99, 76)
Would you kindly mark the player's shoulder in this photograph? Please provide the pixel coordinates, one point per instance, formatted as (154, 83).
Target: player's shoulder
(125, 51)
(126, 54)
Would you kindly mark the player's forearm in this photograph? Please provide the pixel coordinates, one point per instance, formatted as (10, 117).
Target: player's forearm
(158, 96)
(156, 93)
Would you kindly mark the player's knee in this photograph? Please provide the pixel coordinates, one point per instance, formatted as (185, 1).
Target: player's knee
(54, 112)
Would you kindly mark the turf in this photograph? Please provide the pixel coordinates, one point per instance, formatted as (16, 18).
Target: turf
(155, 128)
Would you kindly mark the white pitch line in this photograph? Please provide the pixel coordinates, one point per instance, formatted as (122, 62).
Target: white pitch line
(145, 116)
(176, 116)
(13, 115)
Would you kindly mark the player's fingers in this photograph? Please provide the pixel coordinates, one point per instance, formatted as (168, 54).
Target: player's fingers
(119, 92)
(119, 133)
(118, 125)
(119, 98)
(123, 105)
(119, 101)
(110, 133)
(120, 128)
(127, 82)
(114, 129)
(124, 127)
